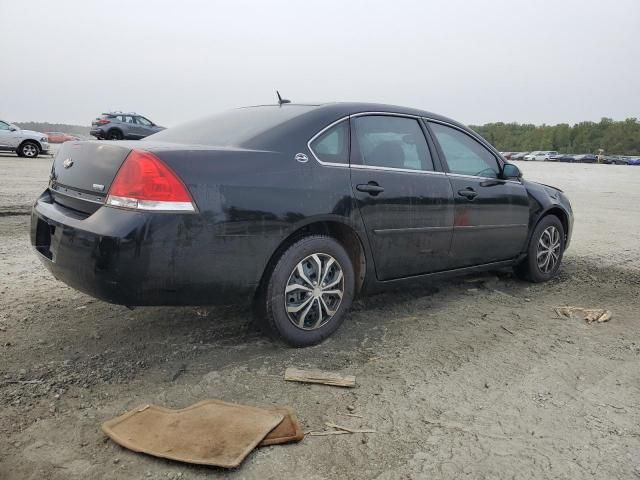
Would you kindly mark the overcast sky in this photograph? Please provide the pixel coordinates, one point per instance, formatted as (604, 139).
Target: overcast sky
(477, 61)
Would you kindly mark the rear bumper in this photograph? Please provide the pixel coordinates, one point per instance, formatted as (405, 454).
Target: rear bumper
(135, 259)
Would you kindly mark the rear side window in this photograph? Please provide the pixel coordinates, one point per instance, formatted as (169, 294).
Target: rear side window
(464, 155)
(391, 142)
(333, 145)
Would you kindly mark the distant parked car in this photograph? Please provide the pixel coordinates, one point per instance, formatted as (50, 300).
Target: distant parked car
(555, 157)
(60, 137)
(622, 160)
(540, 155)
(567, 158)
(633, 161)
(586, 158)
(518, 156)
(507, 155)
(616, 159)
(26, 143)
(123, 126)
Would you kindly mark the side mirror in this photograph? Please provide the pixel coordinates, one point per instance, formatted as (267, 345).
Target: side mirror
(13, 129)
(511, 171)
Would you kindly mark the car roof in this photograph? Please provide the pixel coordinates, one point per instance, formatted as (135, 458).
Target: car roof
(277, 124)
(341, 109)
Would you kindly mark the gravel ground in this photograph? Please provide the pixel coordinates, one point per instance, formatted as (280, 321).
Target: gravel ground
(469, 378)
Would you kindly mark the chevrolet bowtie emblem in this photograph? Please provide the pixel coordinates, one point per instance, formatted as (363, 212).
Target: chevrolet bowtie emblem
(68, 163)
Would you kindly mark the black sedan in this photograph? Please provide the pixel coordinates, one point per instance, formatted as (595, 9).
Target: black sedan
(585, 158)
(296, 208)
(567, 157)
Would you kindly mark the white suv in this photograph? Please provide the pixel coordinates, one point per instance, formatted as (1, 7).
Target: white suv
(540, 155)
(26, 143)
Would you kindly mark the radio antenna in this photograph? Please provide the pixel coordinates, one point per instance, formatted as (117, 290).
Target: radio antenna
(281, 100)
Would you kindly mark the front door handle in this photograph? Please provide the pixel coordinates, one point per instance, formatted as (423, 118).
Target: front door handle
(372, 188)
(469, 193)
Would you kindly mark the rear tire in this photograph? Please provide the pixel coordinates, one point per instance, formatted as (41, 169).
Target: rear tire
(28, 149)
(114, 135)
(309, 291)
(545, 251)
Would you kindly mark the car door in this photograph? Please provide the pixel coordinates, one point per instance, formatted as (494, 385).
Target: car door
(5, 136)
(405, 200)
(491, 214)
(129, 127)
(144, 127)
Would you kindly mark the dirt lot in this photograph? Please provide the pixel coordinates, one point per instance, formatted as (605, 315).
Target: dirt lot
(460, 380)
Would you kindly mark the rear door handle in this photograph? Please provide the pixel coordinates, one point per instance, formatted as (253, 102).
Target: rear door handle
(469, 193)
(372, 188)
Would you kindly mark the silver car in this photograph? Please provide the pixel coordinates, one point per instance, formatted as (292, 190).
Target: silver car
(123, 126)
(26, 143)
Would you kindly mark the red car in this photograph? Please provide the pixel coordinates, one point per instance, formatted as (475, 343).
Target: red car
(60, 137)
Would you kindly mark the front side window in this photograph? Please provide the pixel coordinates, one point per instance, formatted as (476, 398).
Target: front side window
(333, 145)
(391, 142)
(4, 126)
(143, 121)
(464, 155)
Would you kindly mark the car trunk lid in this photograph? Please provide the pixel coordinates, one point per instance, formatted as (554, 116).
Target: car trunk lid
(83, 171)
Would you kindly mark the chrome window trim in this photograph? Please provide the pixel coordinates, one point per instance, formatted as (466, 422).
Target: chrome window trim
(482, 141)
(367, 167)
(482, 178)
(312, 139)
(401, 170)
(390, 114)
(391, 169)
(456, 127)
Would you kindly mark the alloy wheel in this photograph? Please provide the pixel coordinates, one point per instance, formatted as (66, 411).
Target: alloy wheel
(548, 254)
(314, 291)
(29, 150)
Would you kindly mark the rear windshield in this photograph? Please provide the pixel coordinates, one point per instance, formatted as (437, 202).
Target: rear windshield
(231, 128)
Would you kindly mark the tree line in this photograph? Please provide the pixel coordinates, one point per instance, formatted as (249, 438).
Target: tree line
(614, 137)
(55, 127)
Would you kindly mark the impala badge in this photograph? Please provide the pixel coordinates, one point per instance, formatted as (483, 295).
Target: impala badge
(301, 157)
(68, 163)
(97, 187)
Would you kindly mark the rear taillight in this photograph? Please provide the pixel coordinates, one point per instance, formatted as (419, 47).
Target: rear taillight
(102, 121)
(144, 182)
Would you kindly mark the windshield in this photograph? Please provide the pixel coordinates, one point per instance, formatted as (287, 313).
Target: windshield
(231, 128)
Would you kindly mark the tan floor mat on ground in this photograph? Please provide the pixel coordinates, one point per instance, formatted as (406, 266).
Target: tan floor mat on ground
(211, 432)
(288, 430)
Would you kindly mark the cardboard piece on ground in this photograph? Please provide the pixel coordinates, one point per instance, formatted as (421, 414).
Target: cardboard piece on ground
(589, 315)
(288, 430)
(210, 432)
(318, 376)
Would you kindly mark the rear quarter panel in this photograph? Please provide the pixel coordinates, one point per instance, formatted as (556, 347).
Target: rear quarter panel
(248, 203)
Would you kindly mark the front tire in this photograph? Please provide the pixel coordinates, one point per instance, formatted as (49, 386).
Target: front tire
(310, 291)
(545, 251)
(28, 150)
